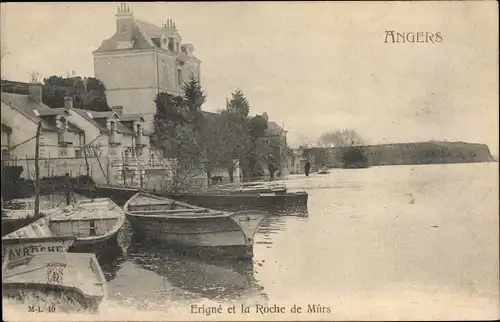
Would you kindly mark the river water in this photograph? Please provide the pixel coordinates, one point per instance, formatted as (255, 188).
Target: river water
(384, 243)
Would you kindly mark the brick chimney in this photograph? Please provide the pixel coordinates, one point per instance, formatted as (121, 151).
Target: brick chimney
(117, 109)
(124, 19)
(35, 91)
(68, 102)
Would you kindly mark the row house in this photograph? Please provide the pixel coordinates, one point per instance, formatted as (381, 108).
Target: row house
(59, 137)
(65, 131)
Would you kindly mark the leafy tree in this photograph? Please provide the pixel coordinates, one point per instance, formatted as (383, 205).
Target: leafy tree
(225, 139)
(258, 125)
(178, 130)
(343, 138)
(238, 104)
(88, 93)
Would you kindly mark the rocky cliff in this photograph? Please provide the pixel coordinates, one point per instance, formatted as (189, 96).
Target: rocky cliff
(433, 152)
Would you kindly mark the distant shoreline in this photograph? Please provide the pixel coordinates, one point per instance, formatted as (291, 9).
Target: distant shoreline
(433, 152)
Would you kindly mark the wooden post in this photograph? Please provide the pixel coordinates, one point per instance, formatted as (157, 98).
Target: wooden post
(27, 167)
(68, 189)
(88, 173)
(123, 170)
(37, 170)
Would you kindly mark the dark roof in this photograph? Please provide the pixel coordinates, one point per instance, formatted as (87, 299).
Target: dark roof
(141, 40)
(87, 116)
(99, 119)
(51, 111)
(273, 129)
(37, 111)
(104, 114)
(131, 117)
(6, 129)
(141, 34)
(73, 128)
(27, 106)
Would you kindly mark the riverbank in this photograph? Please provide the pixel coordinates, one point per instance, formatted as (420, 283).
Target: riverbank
(432, 152)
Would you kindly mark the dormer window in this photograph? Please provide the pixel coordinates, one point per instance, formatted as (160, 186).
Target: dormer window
(62, 123)
(124, 44)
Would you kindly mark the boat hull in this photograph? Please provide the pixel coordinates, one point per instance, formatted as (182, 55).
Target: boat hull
(70, 299)
(16, 248)
(55, 282)
(73, 223)
(279, 202)
(97, 245)
(217, 236)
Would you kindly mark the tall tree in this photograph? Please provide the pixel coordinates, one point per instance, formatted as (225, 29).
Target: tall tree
(194, 98)
(238, 104)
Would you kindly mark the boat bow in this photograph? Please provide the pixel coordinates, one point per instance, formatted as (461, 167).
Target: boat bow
(248, 221)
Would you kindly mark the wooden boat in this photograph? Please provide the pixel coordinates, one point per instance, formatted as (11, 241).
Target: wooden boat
(275, 200)
(92, 224)
(179, 223)
(249, 187)
(15, 248)
(55, 282)
(17, 213)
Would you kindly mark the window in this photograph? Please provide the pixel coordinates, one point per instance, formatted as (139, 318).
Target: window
(170, 43)
(93, 228)
(179, 77)
(78, 153)
(63, 152)
(112, 126)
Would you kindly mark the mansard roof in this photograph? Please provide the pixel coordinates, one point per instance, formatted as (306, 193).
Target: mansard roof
(140, 35)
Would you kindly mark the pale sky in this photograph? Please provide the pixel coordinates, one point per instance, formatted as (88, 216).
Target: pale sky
(313, 67)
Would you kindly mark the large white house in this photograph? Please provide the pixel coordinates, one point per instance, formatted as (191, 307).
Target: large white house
(141, 60)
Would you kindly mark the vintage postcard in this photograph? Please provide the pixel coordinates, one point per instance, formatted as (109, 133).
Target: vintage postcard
(250, 161)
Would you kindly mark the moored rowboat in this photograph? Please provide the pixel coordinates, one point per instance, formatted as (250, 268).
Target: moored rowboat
(178, 223)
(55, 282)
(13, 248)
(90, 223)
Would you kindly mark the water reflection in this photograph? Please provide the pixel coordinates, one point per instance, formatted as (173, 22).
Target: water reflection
(276, 224)
(111, 260)
(211, 278)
